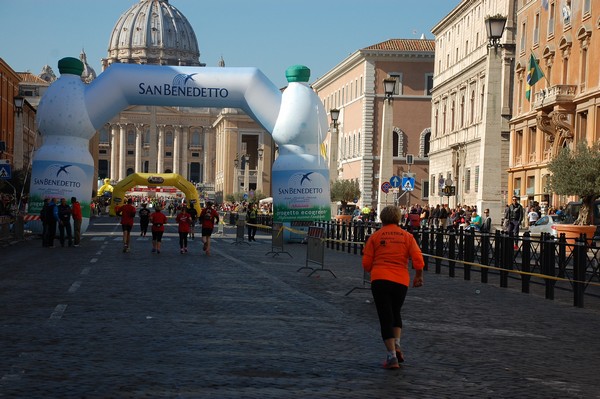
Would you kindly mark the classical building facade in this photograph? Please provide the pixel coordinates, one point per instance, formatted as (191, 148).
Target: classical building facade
(471, 107)
(201, 144)
(355, 87)
(18, 133)
(564, 107)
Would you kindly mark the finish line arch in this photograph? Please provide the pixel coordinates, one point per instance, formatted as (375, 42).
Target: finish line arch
(154, 180)
(70, 112)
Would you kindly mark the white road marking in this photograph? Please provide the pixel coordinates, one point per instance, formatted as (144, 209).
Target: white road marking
(74, 287)
(59, 310)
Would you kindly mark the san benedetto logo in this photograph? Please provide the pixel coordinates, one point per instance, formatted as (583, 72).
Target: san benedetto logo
(60, 175)
(183, 85)
(303, 183)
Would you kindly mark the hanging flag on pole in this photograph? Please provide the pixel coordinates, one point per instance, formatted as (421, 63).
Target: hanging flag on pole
(534, 74)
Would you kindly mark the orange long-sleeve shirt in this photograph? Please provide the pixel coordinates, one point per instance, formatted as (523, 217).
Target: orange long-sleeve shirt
(387, 252)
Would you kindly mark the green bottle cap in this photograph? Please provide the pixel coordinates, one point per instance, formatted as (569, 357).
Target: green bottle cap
(297, 73)
(71, 66)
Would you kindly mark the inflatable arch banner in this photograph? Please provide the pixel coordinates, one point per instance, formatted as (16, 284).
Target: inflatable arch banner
(154, 180)
(70, 112)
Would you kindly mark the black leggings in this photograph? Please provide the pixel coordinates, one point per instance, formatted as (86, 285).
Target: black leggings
(183, 239)
(389, 298)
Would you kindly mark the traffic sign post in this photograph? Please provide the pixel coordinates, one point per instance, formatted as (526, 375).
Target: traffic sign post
(5, 170)
(408, 183)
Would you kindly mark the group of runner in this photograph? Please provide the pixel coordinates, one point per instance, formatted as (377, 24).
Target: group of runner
(186, 220)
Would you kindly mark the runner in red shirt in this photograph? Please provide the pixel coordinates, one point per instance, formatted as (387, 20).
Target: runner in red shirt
(184, 220)
(158, 220)
(127, 213)
(208, 217)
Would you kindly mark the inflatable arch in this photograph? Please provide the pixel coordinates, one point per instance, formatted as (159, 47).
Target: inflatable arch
(70, 112)
(154, 180)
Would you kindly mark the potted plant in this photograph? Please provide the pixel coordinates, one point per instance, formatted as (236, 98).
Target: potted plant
(576, 172)
(344, 191)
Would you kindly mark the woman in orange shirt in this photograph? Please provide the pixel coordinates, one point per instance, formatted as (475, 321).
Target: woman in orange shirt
(386, 257)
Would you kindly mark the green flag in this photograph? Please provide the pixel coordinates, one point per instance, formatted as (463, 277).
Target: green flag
(534, 74)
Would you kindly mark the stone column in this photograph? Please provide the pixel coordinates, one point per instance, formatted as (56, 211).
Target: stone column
(122, 151)
(114, 147)
(139, 131)
(184, 152)
(176, 135)
(160, 166)
(385, 153)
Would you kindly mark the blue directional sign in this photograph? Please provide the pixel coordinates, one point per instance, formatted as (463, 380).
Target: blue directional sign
(395, 181)
(5, 172)
(408, 183)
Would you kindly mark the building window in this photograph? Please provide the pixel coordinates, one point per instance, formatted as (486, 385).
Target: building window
(130, 137)
(104, 136)
(425, 190)
(168, 154)
(565, 71)
(398, 88)
(433, 185)
(472, 105)
(582, 78)
(518, 147)
(523, 42)
(530, 185)
(169, 139)
(462, 111)
(551, 19)
(587, 8)
(477, 178)
(130, 152)
(428, 84)
(582, 126)
(195, 155)
(482, 102)
(396, 144)
(531, 144)
(452, 116)
(467, 180)
(517, 187)
(536, 29)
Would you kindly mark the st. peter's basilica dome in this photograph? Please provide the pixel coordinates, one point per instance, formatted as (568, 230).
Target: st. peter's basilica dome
(153, 32)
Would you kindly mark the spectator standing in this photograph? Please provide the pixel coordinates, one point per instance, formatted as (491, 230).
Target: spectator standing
(532, 216)
(127, 213)
(251, 220)
(486, 226)
(515, 214)
(64, 222)
(208, 217)
(77, 219)
(386, 257)
(158, 220)
(184, 222)
(144, 214)
(194, 215)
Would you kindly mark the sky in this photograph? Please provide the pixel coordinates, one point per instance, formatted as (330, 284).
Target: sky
(270, 35)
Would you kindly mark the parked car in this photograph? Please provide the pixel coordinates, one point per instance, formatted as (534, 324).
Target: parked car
(546, 224)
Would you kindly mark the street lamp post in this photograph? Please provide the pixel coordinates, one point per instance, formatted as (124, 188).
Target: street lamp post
(236, 165)
(19, 137)
(386, 161)
(259, 178)
(246, 172)
(492, 165)
(333, 145)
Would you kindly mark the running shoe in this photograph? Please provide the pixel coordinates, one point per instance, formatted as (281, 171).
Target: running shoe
(399, 355)
(153, 249)
(158, 251)
(391, 363)
(185, 250)
(181, 250)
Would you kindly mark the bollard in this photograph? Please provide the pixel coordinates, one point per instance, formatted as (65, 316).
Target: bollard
(451, 253)
(526, 261)
(579, 268)
(485, 256)
(19, 227)
(439, 250)
(425, 247)
(469, 254)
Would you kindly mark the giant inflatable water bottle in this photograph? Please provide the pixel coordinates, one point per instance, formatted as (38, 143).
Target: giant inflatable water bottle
(300, 173)
(63, 166)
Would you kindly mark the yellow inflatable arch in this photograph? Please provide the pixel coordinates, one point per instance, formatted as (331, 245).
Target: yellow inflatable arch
(154, 180)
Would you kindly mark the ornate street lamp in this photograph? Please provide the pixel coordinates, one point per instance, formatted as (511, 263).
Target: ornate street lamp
(18, 104)
(236, 165)
(389, 85)
(494, 27)
(246, 172)
(333, 145)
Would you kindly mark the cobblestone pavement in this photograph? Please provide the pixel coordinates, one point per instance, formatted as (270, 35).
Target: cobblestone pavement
(94, 322)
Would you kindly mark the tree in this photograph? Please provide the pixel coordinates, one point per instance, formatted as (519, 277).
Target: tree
(577, 172)
(345, 191)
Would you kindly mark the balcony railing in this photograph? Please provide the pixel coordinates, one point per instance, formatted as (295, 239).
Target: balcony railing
(553, 95)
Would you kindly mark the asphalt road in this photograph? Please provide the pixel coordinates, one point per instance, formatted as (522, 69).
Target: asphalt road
(94, 322)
